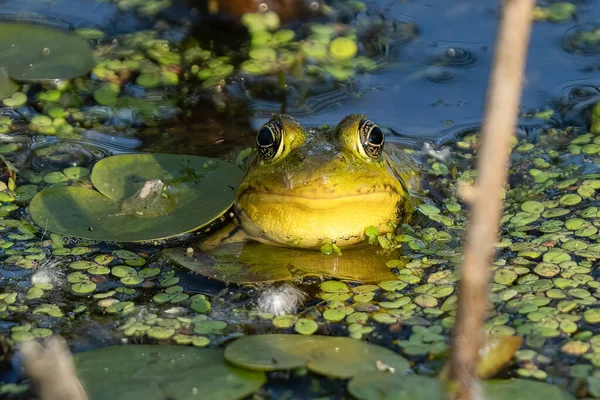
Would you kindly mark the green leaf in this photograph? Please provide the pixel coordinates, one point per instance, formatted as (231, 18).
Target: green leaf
(388, 386)
(334, 357)
(32, 52)
(196, 191)
(523, 389)
(7, 85)
(163, 372)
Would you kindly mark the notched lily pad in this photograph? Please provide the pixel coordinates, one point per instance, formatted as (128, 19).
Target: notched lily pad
(33, 52)
(7, 85)
(334, 357)
(163, 372)
(254, 262)
(140, 197)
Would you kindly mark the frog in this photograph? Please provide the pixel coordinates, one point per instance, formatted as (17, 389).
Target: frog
(304, 188)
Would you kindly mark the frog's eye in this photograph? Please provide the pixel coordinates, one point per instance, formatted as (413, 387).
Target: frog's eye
(371, 139)
(268, 140)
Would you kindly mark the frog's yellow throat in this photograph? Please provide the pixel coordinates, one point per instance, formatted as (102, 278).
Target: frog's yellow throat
(279, 219)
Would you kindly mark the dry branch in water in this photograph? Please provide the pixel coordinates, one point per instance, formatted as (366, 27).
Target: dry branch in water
(502, 105)
(51, 370)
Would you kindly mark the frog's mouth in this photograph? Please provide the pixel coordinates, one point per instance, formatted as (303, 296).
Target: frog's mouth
(322, 197)
(294, 218)
(384, 196)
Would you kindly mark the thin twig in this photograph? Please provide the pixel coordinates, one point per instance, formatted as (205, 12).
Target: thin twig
(52, 370)
(500, 121)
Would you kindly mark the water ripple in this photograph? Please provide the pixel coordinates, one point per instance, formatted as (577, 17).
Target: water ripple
(583, 39)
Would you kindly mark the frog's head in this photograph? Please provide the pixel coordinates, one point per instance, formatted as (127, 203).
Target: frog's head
(303, 187)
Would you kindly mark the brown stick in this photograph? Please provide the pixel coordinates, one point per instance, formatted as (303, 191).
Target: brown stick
(500, 120)
(52, 370)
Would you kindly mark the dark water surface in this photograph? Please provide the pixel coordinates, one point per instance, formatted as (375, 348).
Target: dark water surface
(414, 98)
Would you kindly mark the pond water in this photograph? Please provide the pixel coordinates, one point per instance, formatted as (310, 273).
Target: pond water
(423, 79)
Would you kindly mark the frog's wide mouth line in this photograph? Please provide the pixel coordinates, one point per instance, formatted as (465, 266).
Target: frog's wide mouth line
(319, 195)
(265, 199)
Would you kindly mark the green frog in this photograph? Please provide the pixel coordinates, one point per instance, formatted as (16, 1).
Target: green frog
(306, 187)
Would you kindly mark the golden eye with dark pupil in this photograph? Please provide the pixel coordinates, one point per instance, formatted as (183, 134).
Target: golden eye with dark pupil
(371, 138)
(376, 136)
(265, 138)
(268, 139)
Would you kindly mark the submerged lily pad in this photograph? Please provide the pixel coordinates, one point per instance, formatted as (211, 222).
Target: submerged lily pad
(191, 192)
(32, 52)
(204, 264)
(254, 262)
(163, 372)
(334, 357)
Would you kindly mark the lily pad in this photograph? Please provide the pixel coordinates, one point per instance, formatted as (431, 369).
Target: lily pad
(334, 357)
(255, 262)
(163, 372)
(190, 192)
(523, 389)
(387, 386)
(7, 85)
(33, 52)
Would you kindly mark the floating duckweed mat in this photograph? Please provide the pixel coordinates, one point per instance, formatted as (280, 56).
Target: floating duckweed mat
(140, 197)
(142, 372)
(544, 288)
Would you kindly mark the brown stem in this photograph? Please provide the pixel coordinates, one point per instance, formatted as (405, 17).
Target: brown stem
(499, 125)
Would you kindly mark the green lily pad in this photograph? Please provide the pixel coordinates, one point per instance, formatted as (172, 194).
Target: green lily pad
(334, 357)
(387, 386)
(163, 372)
(205, 264)
(523, 389)
(126, 208)
(255, 262)
(7, 85)
(32, 52)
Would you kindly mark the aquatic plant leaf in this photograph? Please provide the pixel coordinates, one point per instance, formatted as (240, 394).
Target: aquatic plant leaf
(231, 272)
(511, 389)
(496, 353)
(7, 85)
(132, 214)
(387, 386)
(141, 372)
(121, 176)
(334, 357)
(33, 52)
(256, 262)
